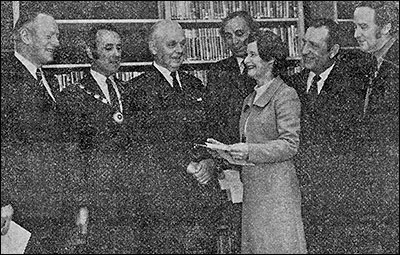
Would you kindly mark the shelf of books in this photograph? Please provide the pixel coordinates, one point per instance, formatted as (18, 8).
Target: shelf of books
(343, 14)
(200, 19)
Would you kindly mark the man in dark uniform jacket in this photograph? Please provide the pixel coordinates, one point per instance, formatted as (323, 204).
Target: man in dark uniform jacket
(37, 173)
(109, 186)
(168, 109)
(332, 189)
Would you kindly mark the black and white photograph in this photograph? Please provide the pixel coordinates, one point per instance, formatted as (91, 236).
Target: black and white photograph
(199, 127)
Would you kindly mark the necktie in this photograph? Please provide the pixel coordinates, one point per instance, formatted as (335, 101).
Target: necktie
(243, 68)
(39, 77)
(175, 83)
(40, 82)
(112, 93)
(314, 86)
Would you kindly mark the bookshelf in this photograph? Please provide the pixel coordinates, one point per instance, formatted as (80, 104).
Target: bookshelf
(200, 20)
(343, 14)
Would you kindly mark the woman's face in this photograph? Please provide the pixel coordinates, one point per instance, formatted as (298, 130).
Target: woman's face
(257, 67)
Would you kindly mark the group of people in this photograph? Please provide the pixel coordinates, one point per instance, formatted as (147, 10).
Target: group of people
(322, 144)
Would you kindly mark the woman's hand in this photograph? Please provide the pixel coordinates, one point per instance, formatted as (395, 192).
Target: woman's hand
(239, 151)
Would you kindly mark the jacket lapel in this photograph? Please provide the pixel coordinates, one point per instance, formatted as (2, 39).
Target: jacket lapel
(265, 98)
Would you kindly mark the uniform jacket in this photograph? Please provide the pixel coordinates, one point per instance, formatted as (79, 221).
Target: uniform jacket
(272, 201)
(106, 147)
(169, 125)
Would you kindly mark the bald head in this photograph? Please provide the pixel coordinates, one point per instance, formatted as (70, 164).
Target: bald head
(167, 43)
(162, 27)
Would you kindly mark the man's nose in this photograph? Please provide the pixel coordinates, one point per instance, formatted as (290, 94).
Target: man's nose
(357, 32)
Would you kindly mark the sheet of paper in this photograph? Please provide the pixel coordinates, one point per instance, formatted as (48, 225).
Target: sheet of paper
(222, 147)
(233, 186)
(237, 193)
(16, 240)
(223, 152)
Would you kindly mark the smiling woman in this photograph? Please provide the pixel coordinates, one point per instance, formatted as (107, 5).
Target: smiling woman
(269, 128)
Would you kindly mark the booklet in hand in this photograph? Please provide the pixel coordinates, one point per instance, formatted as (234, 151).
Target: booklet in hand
(223, 152)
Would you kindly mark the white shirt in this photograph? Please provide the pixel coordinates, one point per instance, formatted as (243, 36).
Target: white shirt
(167, 74)
(101, 81)
(32, 69)
(241, 64)
(324, 75)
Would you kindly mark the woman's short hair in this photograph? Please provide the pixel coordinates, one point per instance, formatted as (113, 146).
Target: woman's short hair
(270, 46)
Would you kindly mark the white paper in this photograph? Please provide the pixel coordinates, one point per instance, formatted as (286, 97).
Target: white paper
(233, 186)
(237, 194)
(213, 146)
(16, 239)
(223, 152)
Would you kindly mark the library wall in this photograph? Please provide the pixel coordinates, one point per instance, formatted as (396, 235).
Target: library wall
(200, 20)
(344, 13)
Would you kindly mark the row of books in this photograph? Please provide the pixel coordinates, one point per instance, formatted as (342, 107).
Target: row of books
(206, 44)
(214, 10)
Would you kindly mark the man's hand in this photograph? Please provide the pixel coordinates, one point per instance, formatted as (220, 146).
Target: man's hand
(202, 170)
(6, 216)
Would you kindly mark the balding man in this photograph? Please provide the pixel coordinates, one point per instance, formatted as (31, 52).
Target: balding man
(35, 173)
(168, 108)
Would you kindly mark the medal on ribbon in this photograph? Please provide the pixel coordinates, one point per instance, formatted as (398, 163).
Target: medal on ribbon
(118, 117)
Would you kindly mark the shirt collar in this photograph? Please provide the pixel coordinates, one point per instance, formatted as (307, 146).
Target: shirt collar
(324, 75)
(28, 64)
(98, 76)
(239, 60)
(379, 54)
(167, 74)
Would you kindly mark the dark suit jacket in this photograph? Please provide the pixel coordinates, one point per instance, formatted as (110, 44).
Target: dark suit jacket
(380, 153)
(36, 156)
(393, 54)
(107, 150)
(227, 90)
(169, 125)
(328, 138)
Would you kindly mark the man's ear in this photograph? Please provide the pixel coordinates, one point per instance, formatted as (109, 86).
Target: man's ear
(334, 50)
(26, 35)
(152, 48)
(385, 30)
(89, 52)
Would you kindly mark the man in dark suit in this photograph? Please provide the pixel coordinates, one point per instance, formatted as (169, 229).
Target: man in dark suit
(228, 82)
(168, 107)
(333, 190)
(376, 30)
(228, 85)
(109, 184)
(36, 155)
